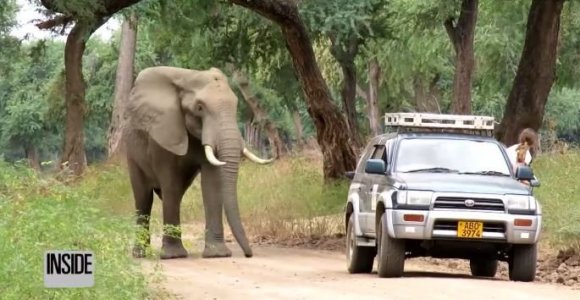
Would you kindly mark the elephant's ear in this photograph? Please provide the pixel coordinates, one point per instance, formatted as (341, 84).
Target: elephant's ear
(155, 107)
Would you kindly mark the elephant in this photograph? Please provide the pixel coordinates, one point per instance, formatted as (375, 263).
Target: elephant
(177, 123)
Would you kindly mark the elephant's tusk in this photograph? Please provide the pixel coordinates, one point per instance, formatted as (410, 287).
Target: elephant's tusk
(251, 156)
(211, 157)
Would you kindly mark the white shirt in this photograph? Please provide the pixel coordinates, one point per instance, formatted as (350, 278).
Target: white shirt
(512, 154)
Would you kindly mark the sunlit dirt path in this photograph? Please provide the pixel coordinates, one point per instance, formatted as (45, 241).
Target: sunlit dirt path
(290, 273)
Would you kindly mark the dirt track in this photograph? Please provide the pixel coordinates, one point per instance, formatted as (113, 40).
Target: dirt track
(289, 273)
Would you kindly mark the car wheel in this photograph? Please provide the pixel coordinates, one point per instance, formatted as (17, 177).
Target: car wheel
(483, 267)
(358, 259)
(522, 263)
(390, 252)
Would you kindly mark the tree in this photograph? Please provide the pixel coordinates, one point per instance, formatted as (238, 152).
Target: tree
(348, 25)
(25, 126)
(260, 116)
(124, 80)
(461, 33)
(535, 75)
(87, 16)
(333, 134)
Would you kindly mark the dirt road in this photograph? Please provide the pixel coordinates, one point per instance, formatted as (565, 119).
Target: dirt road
(289, 273)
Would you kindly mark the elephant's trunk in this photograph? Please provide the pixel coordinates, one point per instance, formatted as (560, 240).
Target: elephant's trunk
(229, 151)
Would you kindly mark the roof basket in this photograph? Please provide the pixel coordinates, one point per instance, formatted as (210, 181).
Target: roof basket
(427, 122)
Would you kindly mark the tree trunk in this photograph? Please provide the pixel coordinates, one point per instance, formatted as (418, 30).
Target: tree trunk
(419, 94)
(73, 155)
(373, 106)
(332, 131)
(426, 98)
(123, 83)
(536, 70)
(299, 129)
(345, 59)
(462, 35)
(260, 116)
(434, 95)
(33, 158)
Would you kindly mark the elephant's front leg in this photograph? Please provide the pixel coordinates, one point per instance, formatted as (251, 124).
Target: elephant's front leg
(213, 206)
(172, 244)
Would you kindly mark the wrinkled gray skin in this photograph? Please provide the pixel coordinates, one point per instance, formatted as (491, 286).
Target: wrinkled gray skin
(172, 115)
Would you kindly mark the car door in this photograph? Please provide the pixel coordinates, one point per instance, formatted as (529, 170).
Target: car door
(370, 191)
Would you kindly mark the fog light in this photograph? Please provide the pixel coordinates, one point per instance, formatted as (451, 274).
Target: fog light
(523, 222)
(413, 218)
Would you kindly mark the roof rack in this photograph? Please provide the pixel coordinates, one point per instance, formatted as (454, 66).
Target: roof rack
(447, 123)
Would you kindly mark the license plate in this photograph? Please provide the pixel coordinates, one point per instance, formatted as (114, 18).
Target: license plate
(470, 229)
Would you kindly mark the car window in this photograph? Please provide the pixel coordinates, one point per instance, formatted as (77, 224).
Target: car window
(453, 154)
(379, 152)
(361, 162)
(389, 151)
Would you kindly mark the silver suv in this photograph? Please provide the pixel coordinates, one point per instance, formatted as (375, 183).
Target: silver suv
(427, 190)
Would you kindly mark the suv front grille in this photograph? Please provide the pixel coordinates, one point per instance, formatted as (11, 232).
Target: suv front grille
(452, 225)
(459, 203)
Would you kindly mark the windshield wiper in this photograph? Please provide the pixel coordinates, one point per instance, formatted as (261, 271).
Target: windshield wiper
(434, 170)
(491, 173)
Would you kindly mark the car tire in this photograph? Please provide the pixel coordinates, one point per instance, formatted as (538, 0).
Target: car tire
(390, 252)
(522, 263)
(483, 267)
(358, 259)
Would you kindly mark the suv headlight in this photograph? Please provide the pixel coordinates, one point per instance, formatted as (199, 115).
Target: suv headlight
(414, 198)
(521, 202)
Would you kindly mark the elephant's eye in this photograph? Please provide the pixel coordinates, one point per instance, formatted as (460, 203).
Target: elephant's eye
(198, 108)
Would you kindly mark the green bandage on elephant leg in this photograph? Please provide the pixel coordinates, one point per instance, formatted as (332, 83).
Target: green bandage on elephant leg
(142, 241)
(172, 245)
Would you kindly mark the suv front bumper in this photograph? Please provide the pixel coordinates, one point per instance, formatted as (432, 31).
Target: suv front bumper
(442, 224)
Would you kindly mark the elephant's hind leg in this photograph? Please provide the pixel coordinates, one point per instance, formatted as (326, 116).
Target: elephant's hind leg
(214, 228)
(143, 196)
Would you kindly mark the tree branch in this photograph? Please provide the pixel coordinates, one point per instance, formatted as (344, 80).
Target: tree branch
(282, 12)
(452, 32)
(468, 15)
(113, 6)
(50, 5)
(361, 93)
(61, 20)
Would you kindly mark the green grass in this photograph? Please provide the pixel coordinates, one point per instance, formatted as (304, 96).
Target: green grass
(559, 195)
(39, 214)
(282, 200)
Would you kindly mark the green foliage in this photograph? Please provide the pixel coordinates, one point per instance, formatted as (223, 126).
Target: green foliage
(39, 214)
(32, 100)
(25, 122)
(406, 36)
(80, 9)
(564, 109)
(8, 10)
(559, 196)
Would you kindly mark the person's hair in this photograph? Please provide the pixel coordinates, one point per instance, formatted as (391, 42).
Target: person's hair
(528, 140)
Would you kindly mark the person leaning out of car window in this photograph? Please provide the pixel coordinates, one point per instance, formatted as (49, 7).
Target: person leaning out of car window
(523, 153)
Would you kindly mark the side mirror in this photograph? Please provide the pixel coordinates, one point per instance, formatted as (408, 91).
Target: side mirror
(375, 166)
(525, 173)
(349, 175)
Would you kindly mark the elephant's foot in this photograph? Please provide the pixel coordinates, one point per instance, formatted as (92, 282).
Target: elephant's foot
(139, 251)
(216, 249)
(172, 248)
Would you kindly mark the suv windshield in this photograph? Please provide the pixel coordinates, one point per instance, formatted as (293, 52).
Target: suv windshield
(451, 156)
